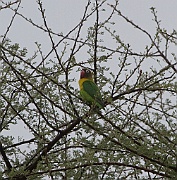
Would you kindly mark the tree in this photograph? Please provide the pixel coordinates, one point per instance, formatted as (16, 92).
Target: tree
(134, 137)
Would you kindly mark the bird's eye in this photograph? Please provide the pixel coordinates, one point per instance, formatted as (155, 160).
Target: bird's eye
(87, 71)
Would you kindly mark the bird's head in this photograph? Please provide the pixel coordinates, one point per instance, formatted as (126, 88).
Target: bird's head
(86, 73)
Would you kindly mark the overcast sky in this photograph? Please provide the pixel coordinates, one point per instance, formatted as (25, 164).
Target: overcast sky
(63, 15)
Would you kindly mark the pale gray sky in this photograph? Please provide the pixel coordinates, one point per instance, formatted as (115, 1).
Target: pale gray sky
(64, 15)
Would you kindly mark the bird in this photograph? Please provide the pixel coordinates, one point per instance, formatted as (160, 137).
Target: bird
(89, 91)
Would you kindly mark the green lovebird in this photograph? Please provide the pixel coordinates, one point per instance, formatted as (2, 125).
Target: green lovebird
(89, 90)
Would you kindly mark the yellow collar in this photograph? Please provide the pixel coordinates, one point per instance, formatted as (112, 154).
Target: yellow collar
(81, 81)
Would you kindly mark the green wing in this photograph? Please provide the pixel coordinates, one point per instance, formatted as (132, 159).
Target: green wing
(92, 94)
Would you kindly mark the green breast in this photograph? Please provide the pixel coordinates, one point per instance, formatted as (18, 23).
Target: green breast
(91, 94)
